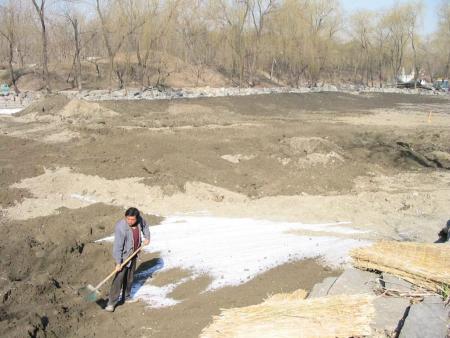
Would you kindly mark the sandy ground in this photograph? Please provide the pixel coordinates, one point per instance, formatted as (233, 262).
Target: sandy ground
(378, 162)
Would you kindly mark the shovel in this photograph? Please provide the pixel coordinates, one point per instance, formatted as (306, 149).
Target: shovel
(91, 293)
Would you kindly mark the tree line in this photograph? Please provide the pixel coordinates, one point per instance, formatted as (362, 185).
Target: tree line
(284, 42)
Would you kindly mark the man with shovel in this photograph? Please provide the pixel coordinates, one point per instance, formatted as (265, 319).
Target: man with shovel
(127, 240)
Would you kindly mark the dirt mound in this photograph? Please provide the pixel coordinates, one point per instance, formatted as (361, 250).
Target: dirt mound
(55, 119)
(308, 152)
(50, 104)
(309, 145)
(80, 110)
(59, 106)
(315, 159)
(40, 122)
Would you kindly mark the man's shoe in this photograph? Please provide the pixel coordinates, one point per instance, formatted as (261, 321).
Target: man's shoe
(109, 308)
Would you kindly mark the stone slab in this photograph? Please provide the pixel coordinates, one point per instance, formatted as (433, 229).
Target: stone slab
(389, 313)
(428, 319)
(322, 289)
(393, 282)
(354, 281)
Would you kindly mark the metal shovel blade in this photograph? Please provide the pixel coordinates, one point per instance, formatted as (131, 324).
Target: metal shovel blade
(89, 293)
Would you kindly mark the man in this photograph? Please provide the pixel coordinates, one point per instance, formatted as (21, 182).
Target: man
(127, 239)
(444, 234)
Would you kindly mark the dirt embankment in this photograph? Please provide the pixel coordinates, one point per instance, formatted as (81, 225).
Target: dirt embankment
(378, 160)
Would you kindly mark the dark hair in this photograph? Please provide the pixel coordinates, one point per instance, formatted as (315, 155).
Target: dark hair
(133, 212)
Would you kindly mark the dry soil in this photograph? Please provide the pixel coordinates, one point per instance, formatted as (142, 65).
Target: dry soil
(380, 161)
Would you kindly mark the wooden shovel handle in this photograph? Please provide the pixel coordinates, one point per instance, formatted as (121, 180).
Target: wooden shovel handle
(121, 266)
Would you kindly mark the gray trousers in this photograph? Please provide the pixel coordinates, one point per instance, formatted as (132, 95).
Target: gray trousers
(122, 282)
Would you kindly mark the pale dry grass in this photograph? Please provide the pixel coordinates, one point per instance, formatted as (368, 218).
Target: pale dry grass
(422, 264)
(290, 315)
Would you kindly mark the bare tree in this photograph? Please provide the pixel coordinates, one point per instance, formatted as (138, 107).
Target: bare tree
(72, 18)
(362, 26)
(155, 22)
(381, 37)
(443, 34)
(8, 32)
(41, 11)
(301, 38)
(233, 17)
(286, 37)
(259, 9)
(396, 21)
(323, 25)
(413, 14)
(125, 26)
(111, 51)
(198, 45)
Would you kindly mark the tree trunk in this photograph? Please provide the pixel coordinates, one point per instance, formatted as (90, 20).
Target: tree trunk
(430, 70)
(272, 69)
(447, 67)
(97, 70)
(45, 55)
(120, 76)
(416, 70)
(41, 12)
(10, 66)
(77, 54)
(107, 44)
(253, 66)
(21, 56)
(141, 75)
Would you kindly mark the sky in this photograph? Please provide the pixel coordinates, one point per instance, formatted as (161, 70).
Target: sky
(430, 17)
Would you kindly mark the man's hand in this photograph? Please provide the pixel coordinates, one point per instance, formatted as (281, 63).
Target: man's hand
(146, 242)
(118, 267)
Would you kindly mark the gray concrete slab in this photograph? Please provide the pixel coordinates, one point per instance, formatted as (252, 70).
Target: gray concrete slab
(354, 281)
(428, 319)
(389, 312)
(322, 289)
(393, 282)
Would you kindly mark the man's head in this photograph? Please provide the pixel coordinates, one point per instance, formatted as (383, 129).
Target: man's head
(131, 215)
